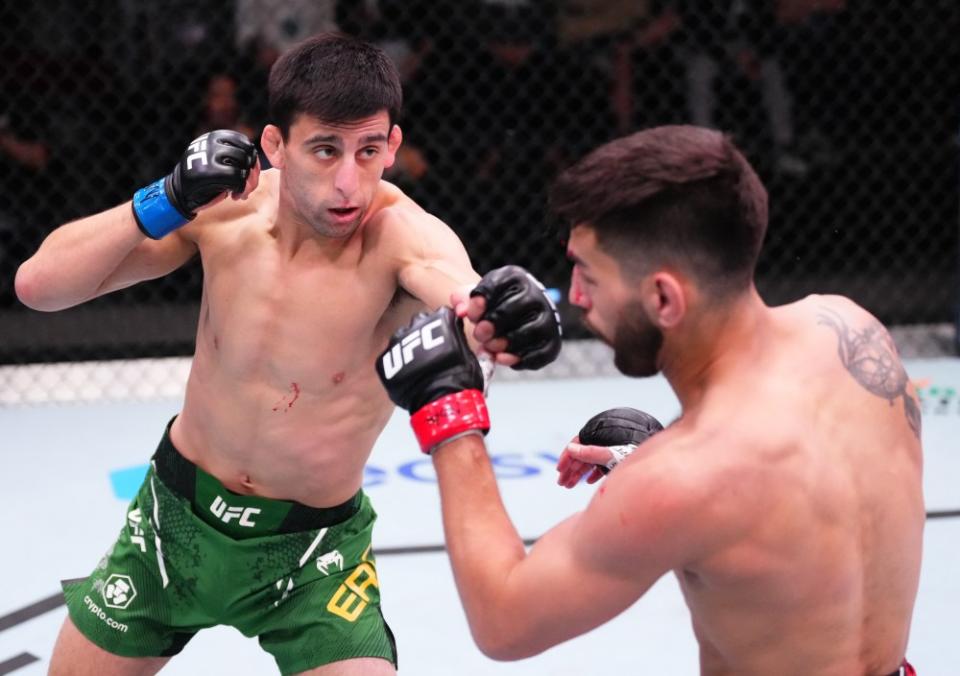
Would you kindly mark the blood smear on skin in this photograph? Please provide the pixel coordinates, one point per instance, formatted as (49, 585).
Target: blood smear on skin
(289, 404)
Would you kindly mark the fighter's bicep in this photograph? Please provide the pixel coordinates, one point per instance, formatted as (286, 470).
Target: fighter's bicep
(435, 263)
(149, 260)
(562, 590)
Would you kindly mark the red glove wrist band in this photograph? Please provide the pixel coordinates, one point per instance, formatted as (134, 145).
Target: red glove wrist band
(449, 416)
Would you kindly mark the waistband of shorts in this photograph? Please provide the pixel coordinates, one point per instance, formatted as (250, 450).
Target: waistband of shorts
(183, 477)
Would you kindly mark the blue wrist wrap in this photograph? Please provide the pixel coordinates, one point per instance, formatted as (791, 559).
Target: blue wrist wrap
(154, 213)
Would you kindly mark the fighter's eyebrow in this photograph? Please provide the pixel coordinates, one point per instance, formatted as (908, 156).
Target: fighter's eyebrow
(338, 140)
(323, 138)
(575, 259)
(374, 138)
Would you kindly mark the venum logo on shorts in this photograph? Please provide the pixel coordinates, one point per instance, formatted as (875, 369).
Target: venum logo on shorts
(334, 558)
(228, 514)
(118, 591)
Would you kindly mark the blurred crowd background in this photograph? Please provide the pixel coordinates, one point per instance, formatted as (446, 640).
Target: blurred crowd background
(847, 108)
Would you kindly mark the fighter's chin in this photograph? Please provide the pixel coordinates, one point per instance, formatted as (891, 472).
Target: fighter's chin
(336, 230)
(631, 366)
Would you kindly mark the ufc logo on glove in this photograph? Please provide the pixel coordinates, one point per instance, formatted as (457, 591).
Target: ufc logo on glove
(402, 353)
(440, 384)
(198, 151)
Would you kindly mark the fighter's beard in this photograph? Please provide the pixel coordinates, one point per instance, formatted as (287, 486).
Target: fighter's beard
(636, 343)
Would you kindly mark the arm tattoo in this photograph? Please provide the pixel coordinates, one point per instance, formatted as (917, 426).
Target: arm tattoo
(871, 358)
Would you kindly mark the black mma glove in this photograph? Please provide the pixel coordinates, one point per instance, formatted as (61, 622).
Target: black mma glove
(429, 369)
(520, 311)
(212, 164)
(619, 429)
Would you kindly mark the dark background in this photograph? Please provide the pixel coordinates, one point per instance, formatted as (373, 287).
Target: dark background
(847, 109)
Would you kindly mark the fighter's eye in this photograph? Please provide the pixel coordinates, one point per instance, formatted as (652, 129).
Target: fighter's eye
(325, 152)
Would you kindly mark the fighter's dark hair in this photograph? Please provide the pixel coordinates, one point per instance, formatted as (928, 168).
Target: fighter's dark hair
(672, 195)
(335, 78)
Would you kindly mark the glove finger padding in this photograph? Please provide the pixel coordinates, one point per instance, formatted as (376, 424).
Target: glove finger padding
(230, 156)
(237, 140)
(621, 429)
(523, 314)
(236, 151)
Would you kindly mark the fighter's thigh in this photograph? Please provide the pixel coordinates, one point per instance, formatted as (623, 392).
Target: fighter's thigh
(359, 666)
(75, 655)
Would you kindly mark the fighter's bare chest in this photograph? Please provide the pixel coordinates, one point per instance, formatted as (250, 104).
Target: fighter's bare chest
(264, 316)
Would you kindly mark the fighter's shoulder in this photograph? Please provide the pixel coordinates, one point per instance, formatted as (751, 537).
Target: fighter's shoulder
(686, 488)
(677, 462)
(817, 305)
(398, 220)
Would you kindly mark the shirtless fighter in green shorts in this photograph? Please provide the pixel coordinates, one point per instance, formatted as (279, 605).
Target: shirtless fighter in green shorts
(251, 513)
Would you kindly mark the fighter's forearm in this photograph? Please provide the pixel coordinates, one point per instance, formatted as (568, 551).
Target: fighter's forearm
(428, 369)
(482, 542)
(137, 241)
(75, 259)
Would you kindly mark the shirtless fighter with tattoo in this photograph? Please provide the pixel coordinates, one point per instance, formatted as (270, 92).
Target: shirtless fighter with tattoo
(786, 499)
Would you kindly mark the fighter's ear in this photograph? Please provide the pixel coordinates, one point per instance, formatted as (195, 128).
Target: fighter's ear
(272, 143)
(666, 299)
(394, 139)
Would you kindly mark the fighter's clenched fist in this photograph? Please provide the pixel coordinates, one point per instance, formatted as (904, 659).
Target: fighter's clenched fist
(429, 370)
(603, 442)
(515, 318)
(213, 164)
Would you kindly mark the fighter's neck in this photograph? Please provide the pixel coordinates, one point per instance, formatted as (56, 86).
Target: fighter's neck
(295, 234)
(721, 345)
(297, 240)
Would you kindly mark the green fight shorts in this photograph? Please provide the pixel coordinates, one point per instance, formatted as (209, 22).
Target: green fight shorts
(194, 555)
